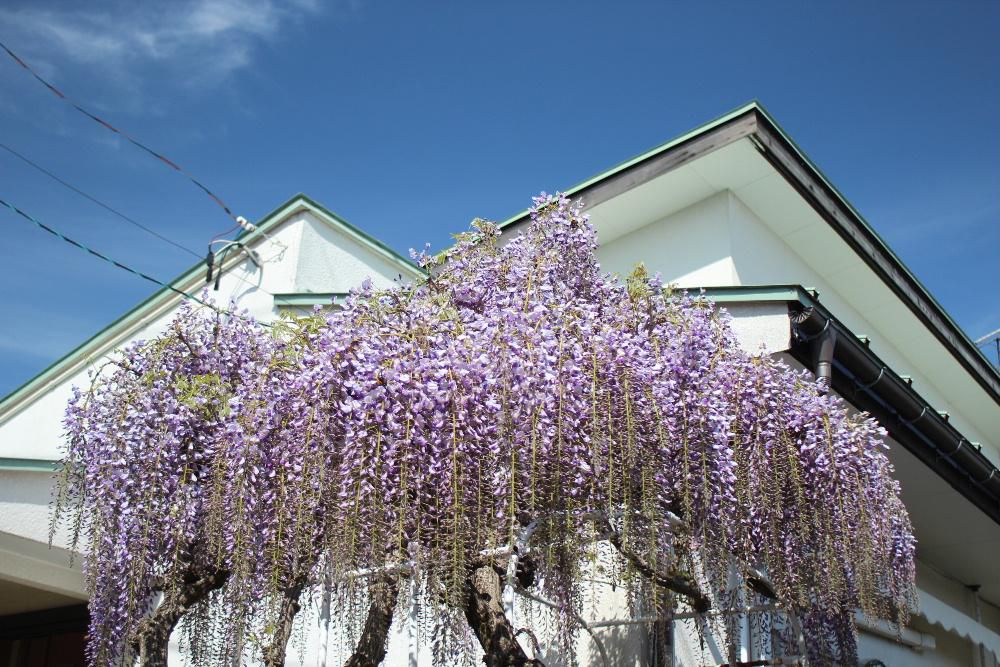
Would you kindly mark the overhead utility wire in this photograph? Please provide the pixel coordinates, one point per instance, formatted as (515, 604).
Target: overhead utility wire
(118, 213)
(106, 207)
(124, 267)
(993, 336)
(61, 95)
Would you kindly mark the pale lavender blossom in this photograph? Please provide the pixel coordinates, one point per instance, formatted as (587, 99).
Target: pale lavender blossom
(430, 423)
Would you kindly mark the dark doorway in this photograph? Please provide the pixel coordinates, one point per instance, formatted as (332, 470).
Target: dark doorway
(50, 638)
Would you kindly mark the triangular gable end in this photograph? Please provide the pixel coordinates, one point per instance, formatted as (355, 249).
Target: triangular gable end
(272, 239)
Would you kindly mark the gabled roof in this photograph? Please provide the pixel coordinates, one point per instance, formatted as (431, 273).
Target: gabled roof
(165, 299)
(302, 202)
(751, 121)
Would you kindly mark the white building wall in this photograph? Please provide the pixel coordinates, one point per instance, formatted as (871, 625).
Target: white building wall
(302, 254)
(717, 241)
(691, 248)
(329, 261)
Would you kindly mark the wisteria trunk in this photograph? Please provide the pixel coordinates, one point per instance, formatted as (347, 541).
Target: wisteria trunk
(152, 638)
(484, 611)
(370, 651)
(274, 656)
(676, 581)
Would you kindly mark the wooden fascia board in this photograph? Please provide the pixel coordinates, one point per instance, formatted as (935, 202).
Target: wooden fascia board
(787, 160)
(657, 162)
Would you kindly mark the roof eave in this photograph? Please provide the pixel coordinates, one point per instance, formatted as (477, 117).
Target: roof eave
(753, 122)
(863, 379)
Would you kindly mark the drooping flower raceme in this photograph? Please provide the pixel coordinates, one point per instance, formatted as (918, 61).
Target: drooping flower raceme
(431, 424)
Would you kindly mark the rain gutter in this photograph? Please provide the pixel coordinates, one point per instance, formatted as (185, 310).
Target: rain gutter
(868, 383)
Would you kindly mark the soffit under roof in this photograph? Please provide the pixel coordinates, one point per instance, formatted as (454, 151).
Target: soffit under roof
(741, 168)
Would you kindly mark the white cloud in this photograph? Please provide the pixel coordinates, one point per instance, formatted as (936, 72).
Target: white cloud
(210, 39)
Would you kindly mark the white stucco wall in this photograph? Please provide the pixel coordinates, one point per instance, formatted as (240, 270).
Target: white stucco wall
(690, 248)
(716, 241)
(329, 261)
(303, 253)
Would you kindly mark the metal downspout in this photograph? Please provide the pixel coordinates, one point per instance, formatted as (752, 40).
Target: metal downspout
(879, 390)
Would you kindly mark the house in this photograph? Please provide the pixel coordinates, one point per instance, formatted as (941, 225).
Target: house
(733, 208)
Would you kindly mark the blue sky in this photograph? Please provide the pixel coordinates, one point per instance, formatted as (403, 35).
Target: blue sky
(409, 119)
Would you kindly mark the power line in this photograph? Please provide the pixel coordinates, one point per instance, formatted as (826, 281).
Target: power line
(113, 262)
(106, 207)
(116, 212)
(988, 337)
(176, 167)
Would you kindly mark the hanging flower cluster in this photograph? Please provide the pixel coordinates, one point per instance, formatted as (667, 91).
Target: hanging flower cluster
(517, 391)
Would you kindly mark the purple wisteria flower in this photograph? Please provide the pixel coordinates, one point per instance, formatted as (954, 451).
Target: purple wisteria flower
(429, 424)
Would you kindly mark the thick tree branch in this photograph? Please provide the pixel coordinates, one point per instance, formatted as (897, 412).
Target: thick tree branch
(486, 617)
(370, 651)
(151, 637)
(274, 655)
(678, 582)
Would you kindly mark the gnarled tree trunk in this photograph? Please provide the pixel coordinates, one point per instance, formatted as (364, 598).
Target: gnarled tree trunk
(484, 611)
(151, 639)
(274, 655)
(370, 651)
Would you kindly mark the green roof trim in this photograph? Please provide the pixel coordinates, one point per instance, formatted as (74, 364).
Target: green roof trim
(163, 296)
(27, 465)
(874, 234)
(749, 293)
(307, 298)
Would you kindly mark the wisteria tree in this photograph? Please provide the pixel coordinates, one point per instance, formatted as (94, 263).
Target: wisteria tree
(507, 426)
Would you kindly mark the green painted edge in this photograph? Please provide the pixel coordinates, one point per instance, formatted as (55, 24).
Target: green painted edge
(877, 238)
(750, 293)
(157, 297)
(306, 298)
(28, 465)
